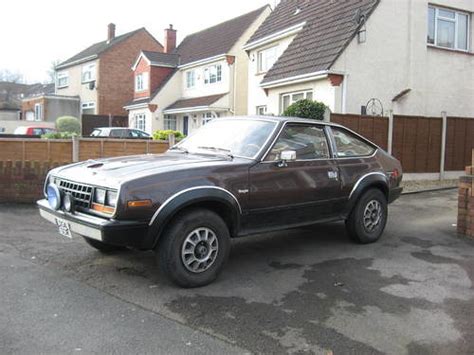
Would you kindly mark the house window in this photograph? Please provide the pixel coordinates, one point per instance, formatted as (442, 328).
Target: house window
(261, 110)
(291, 98)
(139, 122)
(208, 116)
(213, 74)
(88, 73)
(169, 122)
(62, 79)
(141, 82)
(448, 28)
(190, 79)
(88, 108)
(266, 59)
(38, 112)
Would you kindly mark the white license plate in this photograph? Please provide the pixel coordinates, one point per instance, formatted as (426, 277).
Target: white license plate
(64, 228)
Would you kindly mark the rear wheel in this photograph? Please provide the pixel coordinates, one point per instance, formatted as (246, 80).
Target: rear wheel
(367, 220)
(194, 248)
(103, 247)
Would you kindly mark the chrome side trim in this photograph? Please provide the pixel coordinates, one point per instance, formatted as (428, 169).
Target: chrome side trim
(356, 185)
(187, 190)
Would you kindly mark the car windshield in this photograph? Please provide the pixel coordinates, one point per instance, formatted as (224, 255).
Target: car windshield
(237, 137)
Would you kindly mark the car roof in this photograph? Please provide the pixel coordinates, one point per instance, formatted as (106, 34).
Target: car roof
(279, 119)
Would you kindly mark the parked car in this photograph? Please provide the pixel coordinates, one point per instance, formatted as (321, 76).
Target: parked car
(34, 130)
(233, 177)
(119, 132)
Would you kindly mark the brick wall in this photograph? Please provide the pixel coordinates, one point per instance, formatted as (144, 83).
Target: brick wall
(116, 79)
(156, 76)
(24, 163)
(29, 105)
(466, 202)
(22, 181)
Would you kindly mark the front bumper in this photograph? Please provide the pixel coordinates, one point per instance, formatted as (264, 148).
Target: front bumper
(121, 233)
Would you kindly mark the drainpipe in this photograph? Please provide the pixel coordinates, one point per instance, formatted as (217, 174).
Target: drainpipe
(234, 84)
(444, 116)
(344, 94)
(390, 132)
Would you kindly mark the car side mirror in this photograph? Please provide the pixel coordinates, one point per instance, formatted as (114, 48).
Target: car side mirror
(285, 157)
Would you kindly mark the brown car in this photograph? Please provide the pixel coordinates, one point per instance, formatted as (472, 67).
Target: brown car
(231, 178)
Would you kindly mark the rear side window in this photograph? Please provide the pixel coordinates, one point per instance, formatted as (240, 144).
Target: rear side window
(308, 141)
(117, 133)
(349, 145)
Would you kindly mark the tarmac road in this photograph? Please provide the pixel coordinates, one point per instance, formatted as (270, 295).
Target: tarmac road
(301, 291)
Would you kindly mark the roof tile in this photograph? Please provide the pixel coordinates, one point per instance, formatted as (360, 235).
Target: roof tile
(329, 27)
(216, 40)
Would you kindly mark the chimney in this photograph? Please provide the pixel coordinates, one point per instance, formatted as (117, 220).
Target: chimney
(170, 39)
(111, 32)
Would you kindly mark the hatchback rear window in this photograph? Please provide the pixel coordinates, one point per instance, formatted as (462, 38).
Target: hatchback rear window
(349, 145)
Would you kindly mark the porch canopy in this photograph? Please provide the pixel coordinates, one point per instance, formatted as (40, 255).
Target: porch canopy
(196, 104)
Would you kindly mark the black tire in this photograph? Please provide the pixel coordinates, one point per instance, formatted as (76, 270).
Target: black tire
(102, 247)
(368, 229)
(172, 249)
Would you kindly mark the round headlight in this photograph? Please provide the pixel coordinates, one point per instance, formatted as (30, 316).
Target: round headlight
(99, 196)
(54, 196)
(68, 202)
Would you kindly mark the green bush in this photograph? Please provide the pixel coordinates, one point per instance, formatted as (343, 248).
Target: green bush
(68, 124)
(58, 135)
(163, 135)
(306, 109)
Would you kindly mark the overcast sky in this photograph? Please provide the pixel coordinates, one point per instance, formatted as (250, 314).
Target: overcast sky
(34, 33)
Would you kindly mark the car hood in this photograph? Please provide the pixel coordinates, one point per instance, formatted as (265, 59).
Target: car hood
(111, 172)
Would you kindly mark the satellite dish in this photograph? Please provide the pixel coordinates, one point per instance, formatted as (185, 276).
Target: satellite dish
(374, 107)
(92, 85)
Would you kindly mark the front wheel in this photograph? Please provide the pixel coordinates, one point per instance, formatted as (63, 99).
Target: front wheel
(194, 248)
(367, 220)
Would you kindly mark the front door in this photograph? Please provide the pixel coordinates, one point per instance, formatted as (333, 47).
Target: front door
(185, 125)
(298, 192)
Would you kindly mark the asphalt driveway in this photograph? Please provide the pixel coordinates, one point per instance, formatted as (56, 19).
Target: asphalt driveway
(307, 290)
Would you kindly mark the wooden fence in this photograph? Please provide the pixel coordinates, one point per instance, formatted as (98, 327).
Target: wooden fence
(374, 128)
(66, 151)
(418, 141)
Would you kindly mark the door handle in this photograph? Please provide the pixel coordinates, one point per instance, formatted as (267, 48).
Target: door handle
(333, 175)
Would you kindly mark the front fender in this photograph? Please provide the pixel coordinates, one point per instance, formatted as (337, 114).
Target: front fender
(375, 179)
(190, 197)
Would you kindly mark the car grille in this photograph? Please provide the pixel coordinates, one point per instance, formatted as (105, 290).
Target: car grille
(82, 193)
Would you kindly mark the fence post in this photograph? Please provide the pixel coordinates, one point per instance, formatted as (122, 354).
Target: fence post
(443, 144)
(75, 149)
(171, 140)
(390, 132)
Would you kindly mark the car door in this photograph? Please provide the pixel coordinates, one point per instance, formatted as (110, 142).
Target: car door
(295, 192)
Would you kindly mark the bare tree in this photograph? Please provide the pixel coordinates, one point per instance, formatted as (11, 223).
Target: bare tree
(52, 71)
(10, 76)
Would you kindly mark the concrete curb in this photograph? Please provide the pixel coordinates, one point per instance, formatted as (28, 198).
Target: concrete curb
(429, 190)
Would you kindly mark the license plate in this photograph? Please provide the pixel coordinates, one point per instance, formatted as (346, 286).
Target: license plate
(64, 228)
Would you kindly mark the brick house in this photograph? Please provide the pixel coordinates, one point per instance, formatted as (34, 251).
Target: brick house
(203, 78)
(100, 74)
(48, 107)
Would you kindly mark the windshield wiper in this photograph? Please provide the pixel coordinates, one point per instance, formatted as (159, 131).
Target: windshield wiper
(217, 149)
